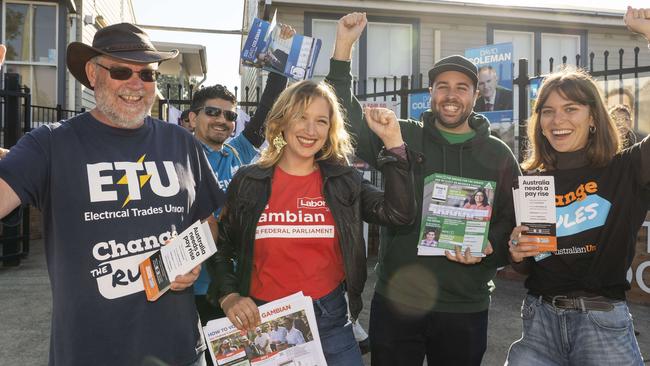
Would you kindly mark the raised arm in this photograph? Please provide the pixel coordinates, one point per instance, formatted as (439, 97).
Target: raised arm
(396, 205)
(348, 31)
(637, 20)
(256, 127)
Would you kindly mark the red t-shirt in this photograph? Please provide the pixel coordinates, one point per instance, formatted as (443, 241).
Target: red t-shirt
(296, 248)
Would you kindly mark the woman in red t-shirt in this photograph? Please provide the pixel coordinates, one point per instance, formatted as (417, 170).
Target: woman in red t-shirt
(292, 222)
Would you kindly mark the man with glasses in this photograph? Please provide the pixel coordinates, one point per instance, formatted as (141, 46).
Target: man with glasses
(114, 185)
(213, 117)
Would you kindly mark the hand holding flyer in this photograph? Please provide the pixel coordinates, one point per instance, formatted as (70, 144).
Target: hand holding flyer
(274, 49)
(534, 202)
(180, 256)
(288, 335)
(456, 214)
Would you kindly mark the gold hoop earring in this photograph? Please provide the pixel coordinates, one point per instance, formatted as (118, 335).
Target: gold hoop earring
(592, 129)
(279, 142)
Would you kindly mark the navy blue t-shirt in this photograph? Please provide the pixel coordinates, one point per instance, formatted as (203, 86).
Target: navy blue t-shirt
(109, 197)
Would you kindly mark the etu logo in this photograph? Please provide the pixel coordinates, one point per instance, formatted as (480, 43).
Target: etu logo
(136, 176)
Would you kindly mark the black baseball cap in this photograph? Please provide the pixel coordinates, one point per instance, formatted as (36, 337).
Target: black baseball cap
(454, 63)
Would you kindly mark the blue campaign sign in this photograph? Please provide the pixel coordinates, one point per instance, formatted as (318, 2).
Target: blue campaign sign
(418, 103)
(495, 67)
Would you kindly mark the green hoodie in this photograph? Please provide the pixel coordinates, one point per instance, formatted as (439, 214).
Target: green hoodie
(436, 283)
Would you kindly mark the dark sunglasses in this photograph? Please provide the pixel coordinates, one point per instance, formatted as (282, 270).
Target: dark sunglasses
(124, 73)
(216, 112)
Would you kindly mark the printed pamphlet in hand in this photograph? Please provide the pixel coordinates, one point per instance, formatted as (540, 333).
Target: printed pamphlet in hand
(294, 57)
(534, 201)
(179, 257)
(288, 335)
(456, 212)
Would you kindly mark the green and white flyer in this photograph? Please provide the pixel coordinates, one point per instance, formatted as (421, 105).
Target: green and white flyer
(456, 211)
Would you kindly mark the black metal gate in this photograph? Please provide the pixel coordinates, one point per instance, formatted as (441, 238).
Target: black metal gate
(16, 120)
(18, 116)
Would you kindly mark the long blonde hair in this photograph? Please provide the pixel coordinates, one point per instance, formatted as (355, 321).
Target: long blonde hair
(579, 87)
(291, 105)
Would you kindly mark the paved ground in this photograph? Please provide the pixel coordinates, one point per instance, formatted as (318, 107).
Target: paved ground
(25, 305)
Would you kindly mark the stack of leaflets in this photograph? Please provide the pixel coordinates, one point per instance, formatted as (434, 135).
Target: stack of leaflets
(294, 57)
(456, 212)
(534, 201)
(288, 336)
(180, 256)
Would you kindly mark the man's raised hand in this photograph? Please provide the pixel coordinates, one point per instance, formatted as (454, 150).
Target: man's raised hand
(348, 31)
(383, 123)
(638, 21)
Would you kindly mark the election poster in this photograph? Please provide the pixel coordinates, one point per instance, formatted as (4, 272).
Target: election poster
(418, 103)
(495, 100)
(456, 212)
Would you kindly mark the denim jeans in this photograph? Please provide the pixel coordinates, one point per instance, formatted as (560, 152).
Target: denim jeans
(553, 336)
(336, 336)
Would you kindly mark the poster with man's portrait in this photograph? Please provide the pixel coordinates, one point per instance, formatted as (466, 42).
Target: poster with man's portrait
(495, 100)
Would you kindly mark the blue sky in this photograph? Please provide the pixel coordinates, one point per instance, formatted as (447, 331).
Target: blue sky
(223, 50)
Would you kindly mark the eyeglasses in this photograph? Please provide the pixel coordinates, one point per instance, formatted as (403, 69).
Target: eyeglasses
(125, 73)
(216, 112)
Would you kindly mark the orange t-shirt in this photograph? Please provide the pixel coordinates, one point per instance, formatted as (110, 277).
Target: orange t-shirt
(296, 248)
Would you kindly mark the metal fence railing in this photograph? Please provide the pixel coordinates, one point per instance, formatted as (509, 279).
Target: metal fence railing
(43, 115)
(247, 101)
(18, 116)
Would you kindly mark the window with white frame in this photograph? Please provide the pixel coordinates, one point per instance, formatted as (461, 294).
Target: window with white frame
(30, 35)
(325, 30)
(541, 44)
(388, 52)
(523, 46)
(557, 46)
(538, 44)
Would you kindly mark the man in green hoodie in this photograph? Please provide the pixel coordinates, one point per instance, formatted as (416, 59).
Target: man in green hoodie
(433, 306)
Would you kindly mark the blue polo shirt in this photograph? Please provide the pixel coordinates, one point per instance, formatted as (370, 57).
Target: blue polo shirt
(234, 153)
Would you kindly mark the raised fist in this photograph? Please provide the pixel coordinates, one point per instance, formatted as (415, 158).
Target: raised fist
(383, 123)
(638, 21)
(348, 31)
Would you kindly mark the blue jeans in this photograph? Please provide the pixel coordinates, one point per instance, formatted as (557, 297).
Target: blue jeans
(336, 336)
(553, 336)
